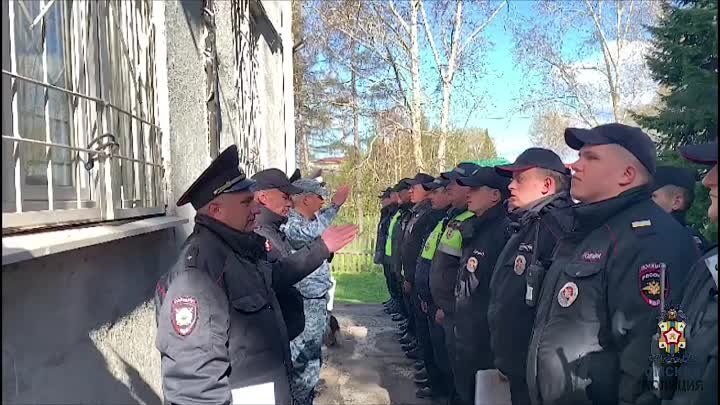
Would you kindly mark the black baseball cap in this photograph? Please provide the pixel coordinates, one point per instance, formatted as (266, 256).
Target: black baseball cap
(436, 184)
(633, 139)
(704, 154)
(385, 193)
(421, 178)
(486, 176)
(222, 176)
(403, 184)
(534, 158)
(461, 170)
(269, 179)
(676, 176)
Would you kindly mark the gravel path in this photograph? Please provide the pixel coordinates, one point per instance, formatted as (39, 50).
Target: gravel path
(368, 367)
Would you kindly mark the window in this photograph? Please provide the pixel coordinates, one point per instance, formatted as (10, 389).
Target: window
(79, 107)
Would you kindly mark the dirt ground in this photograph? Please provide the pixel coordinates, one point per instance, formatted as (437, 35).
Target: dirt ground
(367, 367)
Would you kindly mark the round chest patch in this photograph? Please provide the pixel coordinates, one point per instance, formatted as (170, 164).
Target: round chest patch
(450, 233)
(472, 264)
(520, 264)
(568, 294)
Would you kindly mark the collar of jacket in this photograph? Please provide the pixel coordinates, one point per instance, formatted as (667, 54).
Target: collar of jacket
(559, 200)
(405, 207)
(422, 206)
(680, 216)
(493, 213)
(269, 219)
(590, 216)
(250, 245)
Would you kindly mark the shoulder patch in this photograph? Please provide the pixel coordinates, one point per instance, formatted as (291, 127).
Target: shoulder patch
(184, 311)
(649, 283)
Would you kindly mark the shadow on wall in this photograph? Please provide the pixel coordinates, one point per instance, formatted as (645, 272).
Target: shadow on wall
(79, 326)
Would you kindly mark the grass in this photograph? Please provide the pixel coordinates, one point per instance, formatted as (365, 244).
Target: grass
(367, 287)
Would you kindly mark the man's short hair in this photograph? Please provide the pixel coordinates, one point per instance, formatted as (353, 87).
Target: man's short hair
(562, 181)
(687, 196)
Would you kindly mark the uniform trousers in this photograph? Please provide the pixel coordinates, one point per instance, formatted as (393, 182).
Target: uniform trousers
(305, 351)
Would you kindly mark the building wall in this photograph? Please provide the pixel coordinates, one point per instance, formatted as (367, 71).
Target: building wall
(79, 326)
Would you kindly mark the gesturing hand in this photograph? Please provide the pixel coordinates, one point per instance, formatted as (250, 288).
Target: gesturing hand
(439, 316)
(341, 195)
(337, 237)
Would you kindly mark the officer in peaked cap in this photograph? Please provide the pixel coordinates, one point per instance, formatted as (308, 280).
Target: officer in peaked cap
(392, 246)
(674, 192)
(220, 331)
(388, 209)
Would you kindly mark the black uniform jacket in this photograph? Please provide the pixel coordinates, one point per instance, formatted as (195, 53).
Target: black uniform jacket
(700, 241)
(483, 240)
(397, 238)
(423, 266)
(510, 318)
(600, 300)
(385, 216)
(277, 246)
(420, 224)
(696, 381)
(219, 322)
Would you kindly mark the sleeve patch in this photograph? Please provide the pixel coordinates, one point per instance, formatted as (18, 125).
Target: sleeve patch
(650, 285)
(184, 313)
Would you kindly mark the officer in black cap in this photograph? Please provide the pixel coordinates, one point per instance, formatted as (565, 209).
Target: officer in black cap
(393, 244)
(386, 211)
(395, 305)
(484, 236)
(674, 192)
(420, 224)
(601, 294)
(694, 381)
(540, 184)
(219, 325)
(435, 366)
(272, 193)
(446, 262)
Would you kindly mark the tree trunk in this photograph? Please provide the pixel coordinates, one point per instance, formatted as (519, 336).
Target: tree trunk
(417, 86)
(354, 94)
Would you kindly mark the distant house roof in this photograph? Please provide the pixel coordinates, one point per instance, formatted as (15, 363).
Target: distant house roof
(329, 161)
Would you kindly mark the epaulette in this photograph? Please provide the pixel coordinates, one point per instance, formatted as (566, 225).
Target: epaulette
(643, 227)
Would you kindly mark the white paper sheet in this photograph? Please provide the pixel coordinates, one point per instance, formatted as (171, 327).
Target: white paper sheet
(491, 388)
(262, 394)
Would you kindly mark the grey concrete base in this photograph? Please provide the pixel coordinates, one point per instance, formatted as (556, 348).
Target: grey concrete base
(79, 327)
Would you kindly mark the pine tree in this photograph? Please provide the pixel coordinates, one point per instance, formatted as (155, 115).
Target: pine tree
(684, 62)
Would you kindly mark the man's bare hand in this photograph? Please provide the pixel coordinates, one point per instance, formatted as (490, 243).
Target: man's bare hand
(341, 195)
(439, 316)
(337, 237)
(423, 306)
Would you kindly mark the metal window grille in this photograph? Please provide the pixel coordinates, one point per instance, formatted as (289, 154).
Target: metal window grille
(79, 106)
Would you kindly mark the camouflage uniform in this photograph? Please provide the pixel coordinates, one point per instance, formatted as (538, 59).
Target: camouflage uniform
(305, 349)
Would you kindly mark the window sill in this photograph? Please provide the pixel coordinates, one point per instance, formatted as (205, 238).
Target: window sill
(25, 247)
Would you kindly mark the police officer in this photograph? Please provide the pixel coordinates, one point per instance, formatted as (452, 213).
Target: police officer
(388, 205)
(446, 261)
(220, 328)
(674, 192)
(307, 220)
(394, 306)
(436, 366)
(410, 246)
(484, 236)
(540, 184)
(272, 192)
(601, 294)
(393, 245)
(696, 378)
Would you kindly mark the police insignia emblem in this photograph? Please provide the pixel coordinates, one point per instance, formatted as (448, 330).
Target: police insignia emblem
(649, 283)
(672, 335)
(184, 314)
(450, 232)
(568, 294)
(472, 264)
(520, 264)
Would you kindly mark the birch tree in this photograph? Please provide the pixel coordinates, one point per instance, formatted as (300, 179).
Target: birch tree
(457, 33)
(588, 57)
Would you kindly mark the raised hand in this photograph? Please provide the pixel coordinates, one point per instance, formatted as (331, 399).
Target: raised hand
(337, 237)
(341, 195)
